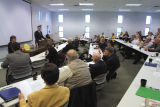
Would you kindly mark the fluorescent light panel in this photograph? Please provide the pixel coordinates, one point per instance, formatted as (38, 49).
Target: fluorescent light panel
(124, 10)
(157, 10)
(63, 9)
(57, 4)
(134, 5)
(86, 4)
(87, 9)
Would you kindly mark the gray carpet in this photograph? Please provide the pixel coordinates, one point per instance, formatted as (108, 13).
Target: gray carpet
(114, 90)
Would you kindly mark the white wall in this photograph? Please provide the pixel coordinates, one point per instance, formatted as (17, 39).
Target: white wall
(35, 23)
(74, 22)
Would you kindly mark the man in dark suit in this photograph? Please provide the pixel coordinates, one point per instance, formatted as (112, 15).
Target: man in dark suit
(12, 40)
(99, 67)
(68, 46)
(38, 35)
(112, 62)
(18, 64)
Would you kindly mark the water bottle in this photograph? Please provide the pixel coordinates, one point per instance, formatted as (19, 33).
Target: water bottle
(158, 66)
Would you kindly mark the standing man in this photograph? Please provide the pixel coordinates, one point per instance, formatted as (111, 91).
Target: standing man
(38, 35)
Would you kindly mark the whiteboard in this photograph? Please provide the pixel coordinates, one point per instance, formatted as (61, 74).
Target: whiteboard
(15, 19)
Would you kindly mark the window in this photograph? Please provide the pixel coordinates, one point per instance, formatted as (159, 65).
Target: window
(87, 18)
(47, 16)
(120, 19)
(60, 31)
(40, 15)
(148, 19)
(119, 30)
(147, 30)
(87, 30)
(60, 18)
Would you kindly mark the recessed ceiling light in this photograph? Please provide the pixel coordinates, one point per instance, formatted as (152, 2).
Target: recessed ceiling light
(124, 10)
(63, 9)
(86, 4)
(57, 4)
(87, 9)
(134, 5)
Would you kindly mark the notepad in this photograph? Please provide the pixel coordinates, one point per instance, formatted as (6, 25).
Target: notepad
(149, 93)
(9, 94)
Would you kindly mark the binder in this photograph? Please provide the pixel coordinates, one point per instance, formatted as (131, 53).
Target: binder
(9, 94)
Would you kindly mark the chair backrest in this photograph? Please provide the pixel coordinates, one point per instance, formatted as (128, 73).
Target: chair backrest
(84, 96)
(100, 79)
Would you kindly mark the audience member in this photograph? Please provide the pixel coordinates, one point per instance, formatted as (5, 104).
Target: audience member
(102, 44)
(51, 95)
(99, 67)
(12, 40)
(112, 62)
(155, 47)
(68, 46)
(76, 73)
(103, 35)
(121, 35)
(18, 64)
(52, 54)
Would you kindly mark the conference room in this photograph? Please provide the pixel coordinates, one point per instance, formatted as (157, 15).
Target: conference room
(79, 53)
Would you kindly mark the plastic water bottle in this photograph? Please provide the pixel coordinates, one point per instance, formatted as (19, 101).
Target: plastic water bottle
(158, 67)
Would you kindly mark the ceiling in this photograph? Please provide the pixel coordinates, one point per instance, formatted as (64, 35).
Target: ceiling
(101, 5)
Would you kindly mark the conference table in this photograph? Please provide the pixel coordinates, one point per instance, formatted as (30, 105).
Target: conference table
(130, 99)
(29, 85)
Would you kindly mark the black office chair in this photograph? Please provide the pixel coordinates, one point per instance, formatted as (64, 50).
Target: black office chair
(84, 96)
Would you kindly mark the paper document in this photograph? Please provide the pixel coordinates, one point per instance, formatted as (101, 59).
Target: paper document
(0, 65)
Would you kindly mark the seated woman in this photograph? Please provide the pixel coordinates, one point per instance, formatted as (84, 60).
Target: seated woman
(137, 40)
(102, 44)
(51, 95)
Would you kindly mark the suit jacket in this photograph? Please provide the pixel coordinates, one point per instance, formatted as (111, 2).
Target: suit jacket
(53, 56)
(38, 36)
(19, 64)
(154, 48)
(49, 96)
(10, 49)
(97, 69)
(68, 47)
(112, 62)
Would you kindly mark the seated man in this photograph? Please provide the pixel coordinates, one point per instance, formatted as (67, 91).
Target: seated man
(12, 40)
(112, 62)
(68, 46)
(51, 95)
(19, 64)
(76, 43)
(52, 54)
(155, 47)
(76, 73)
(99, 67)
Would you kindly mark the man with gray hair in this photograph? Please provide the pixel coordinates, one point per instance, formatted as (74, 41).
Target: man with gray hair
(76, 73)
(99, 67)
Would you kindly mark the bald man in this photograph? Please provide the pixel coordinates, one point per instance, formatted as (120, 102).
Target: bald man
(99, 67)
(76, 73)
(155, 47)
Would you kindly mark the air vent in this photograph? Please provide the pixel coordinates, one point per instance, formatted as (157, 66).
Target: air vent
(156, 6)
